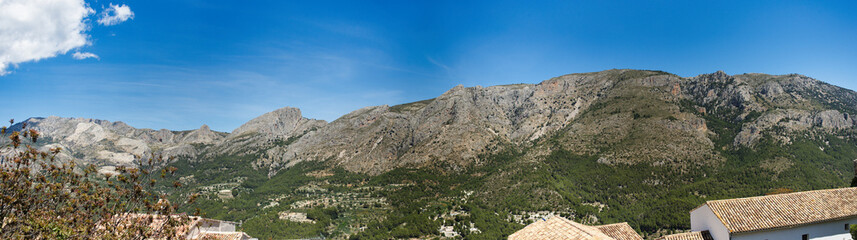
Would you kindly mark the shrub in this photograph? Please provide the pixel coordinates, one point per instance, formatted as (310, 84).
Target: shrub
(42, 197)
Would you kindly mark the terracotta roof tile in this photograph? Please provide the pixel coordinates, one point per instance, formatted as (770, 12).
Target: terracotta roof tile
(704, 235)
(154, 224)
(222, 236)
(620, 231)
(558, 228)
(184, 229)
(785, 210)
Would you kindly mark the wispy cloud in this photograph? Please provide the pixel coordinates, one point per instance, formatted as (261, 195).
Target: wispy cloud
(115, 14)
(83, 55)
(437, 63)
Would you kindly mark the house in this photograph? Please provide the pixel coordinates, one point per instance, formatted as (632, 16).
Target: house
(448, 231)
(619, 231)
(703, 235)
(216, 230)
(223, 236)
(557, 228)
(187, 227)
(822, 214)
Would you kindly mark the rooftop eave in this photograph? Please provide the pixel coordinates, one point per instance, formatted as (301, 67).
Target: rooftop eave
(731, 231)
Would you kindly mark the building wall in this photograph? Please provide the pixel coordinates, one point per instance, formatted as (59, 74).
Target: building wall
(703, 219)
(194, 231)
(822, 231)
(209, 225)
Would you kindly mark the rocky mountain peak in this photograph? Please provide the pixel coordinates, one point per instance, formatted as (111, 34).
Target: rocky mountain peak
(202, 135)
(719, 76)
(458, 88)
(282, 123)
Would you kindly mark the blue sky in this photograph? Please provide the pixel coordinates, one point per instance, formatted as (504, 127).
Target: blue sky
(179, 64)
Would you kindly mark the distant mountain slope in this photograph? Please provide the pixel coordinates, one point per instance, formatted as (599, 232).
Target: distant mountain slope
(631, 116)
(618, 145)
(453, 128)
(109, 144)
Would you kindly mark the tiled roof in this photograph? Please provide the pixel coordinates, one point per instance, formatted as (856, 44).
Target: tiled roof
(222, 236)
(704, 235)
(154, 224)
(785, 210)
(559, 228)
(184, 227)
(619, 231)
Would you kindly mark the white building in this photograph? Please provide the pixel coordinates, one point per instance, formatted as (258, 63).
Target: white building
(204, 228)
(822, 215)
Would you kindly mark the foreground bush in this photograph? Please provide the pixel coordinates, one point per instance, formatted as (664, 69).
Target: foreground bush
(42, 197)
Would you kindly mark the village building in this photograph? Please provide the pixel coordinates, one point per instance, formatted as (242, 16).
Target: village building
(300, 217)
(190, 227)
(703, 235)
(822, 215)
(557, 228)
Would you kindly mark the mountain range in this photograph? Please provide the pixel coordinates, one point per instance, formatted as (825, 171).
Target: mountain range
(617, 145)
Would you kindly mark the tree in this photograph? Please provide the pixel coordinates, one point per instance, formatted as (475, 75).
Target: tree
(853, 230)
(42, 197)
(854, 182)
(780, 191)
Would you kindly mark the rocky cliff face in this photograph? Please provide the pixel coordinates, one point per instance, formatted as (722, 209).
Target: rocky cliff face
(638, 119)
(109, 144)
(266, 134)
(281, 123)
(776, 105)
(622, 116)
(454, 128)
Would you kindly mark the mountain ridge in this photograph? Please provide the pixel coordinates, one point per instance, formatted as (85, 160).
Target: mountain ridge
(465, 122)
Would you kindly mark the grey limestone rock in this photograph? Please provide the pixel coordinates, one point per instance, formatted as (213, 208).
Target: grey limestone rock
(833, 119)
(106, 143)
(281, 123)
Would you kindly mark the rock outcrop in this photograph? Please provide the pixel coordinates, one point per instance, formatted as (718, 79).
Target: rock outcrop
(791, 103)
(203, 135)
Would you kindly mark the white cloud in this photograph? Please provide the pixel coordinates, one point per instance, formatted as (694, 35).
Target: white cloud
(115, 14)
(31, 30)
(83, 55)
